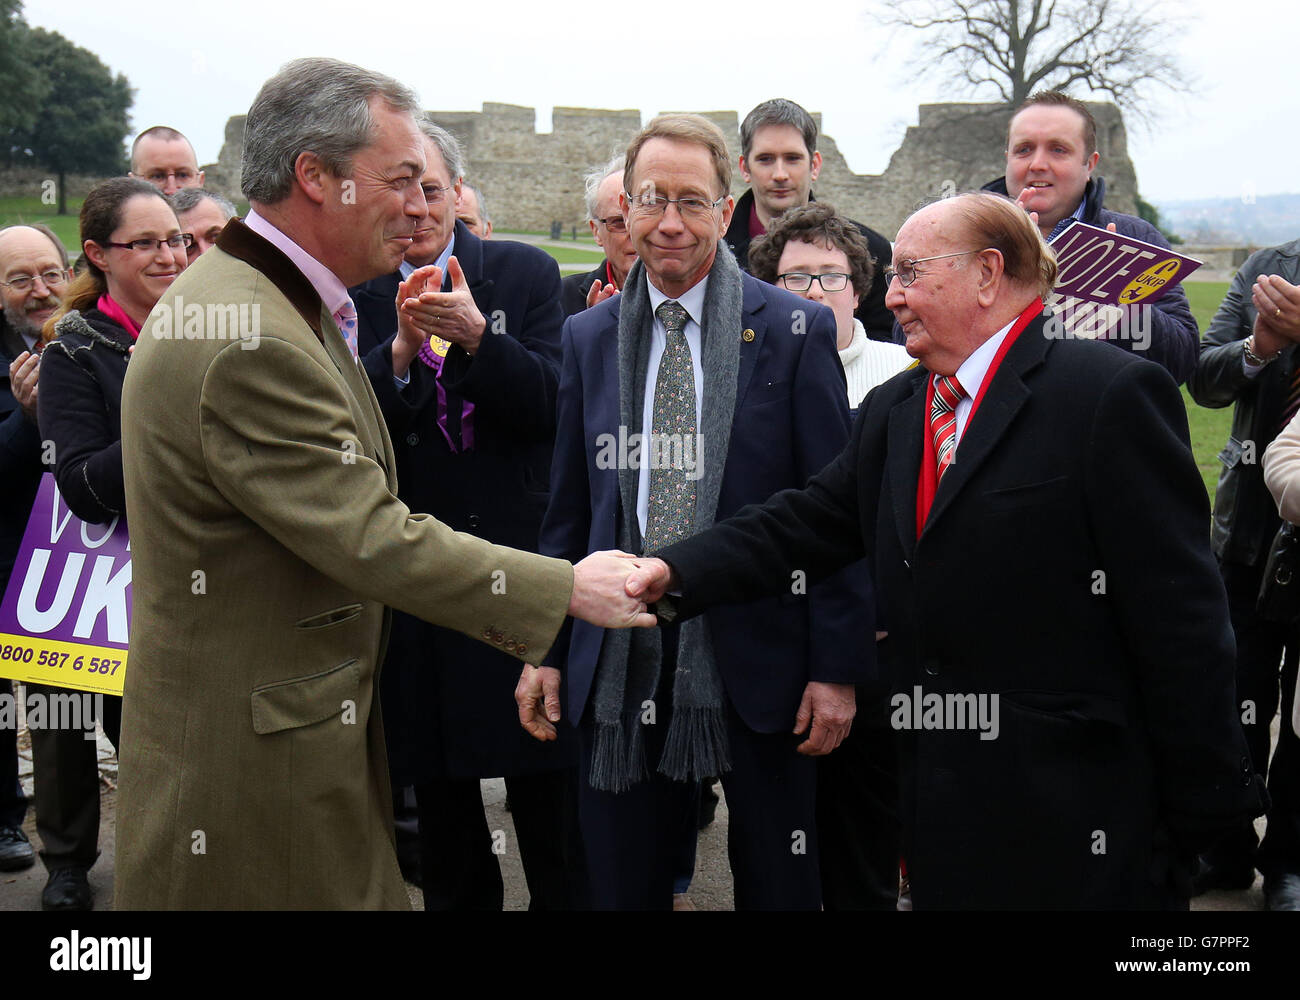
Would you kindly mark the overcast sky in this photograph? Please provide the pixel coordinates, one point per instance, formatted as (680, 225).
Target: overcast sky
(195, 65)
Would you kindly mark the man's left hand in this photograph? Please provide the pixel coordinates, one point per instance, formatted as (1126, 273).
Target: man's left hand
(451, 315)
(830, 708)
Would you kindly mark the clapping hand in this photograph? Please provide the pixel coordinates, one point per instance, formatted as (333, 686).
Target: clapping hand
(410, 336)
(450, 315)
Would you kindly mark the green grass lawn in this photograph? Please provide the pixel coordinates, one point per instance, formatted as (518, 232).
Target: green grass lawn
(30, 210)
(576, 255)
(1208, 428)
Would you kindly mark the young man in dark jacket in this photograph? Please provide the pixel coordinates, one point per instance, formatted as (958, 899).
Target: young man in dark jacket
(1051, 159)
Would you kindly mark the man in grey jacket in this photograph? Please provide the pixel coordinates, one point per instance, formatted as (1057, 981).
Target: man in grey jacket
(1249, 360)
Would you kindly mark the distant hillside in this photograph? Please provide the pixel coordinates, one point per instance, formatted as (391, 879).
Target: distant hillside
(1268, 220)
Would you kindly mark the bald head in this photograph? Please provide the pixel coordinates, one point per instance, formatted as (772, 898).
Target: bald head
(33, 258)
(975, 263)
(165, 158)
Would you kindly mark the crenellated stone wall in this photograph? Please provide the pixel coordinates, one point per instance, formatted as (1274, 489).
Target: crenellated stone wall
(532, 179)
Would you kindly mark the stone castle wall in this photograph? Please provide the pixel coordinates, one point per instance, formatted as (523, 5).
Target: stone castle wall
(533, 179)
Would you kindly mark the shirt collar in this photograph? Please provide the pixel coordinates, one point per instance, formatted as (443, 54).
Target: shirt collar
(975, 369)
(333, 293)
(405, 268)
(1076, 217)
(692, 299)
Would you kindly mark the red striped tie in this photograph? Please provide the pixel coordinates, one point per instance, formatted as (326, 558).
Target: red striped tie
(943, 418)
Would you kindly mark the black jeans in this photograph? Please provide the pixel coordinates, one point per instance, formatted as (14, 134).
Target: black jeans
(1266, 681)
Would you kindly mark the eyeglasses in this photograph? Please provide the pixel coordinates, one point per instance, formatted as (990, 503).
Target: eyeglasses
(906, 271)
(179, 240)
(24, 282)
(798, 281)
(433, 194)
(183, 177)
(614, 224)
(654, 204)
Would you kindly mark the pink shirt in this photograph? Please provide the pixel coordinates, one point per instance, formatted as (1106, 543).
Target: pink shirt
(333, 293)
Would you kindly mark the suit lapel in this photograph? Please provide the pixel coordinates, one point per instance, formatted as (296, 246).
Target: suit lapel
(1006, 395)
(753, 320)
(906, 441)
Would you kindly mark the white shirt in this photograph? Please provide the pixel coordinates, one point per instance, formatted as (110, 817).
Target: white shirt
(693, 302)
(972, 373)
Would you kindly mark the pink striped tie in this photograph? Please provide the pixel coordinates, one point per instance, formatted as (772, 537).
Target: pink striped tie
(943, 418)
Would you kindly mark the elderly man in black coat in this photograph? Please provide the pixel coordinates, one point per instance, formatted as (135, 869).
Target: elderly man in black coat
(472, 417)
(1059, 641)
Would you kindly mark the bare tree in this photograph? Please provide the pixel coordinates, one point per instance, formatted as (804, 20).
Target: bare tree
(1015, 47)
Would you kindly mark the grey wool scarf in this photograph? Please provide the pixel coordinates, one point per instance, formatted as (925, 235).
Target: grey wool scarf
(627, 674)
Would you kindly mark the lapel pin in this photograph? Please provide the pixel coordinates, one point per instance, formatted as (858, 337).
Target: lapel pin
(747, 336)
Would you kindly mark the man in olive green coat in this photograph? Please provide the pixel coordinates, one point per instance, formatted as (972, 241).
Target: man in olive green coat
(267, 538)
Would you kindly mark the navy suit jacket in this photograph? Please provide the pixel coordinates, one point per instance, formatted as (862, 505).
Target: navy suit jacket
(791, 418)
(449, 701)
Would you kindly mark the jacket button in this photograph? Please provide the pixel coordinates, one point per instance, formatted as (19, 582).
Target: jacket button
(522, 648)
(413, 439)
(510, 645)
(498, 637)
(932, 668)
(487, 633)
(473, 520)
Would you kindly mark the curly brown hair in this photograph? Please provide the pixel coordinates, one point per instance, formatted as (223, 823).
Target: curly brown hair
(819, 223)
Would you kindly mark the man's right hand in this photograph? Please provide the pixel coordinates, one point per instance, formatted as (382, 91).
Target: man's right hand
(1277, 323)
(538, 697)
(24, 373)
(410, 338)
(599, 293)
(651, 580)
(600, 594)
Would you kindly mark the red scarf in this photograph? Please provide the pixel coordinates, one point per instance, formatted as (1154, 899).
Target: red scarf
(928, 481)
(117, 314)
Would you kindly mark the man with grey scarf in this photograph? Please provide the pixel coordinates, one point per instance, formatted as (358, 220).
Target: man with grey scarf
(695, 391)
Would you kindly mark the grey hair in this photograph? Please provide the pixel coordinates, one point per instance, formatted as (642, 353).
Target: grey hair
(592, 181)
(187, 199)
(447, 146)
(482, 203)
(778, 111)
(312, 105)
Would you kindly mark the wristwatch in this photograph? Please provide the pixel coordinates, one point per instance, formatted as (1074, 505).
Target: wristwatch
(1252, 357)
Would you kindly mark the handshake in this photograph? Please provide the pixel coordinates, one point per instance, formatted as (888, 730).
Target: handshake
(613, 589)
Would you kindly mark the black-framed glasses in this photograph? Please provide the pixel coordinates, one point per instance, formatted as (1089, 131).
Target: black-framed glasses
(24, 282)
(651, 204)
(175, 241)
(615, 224)
(433, 194)
(799, 281)
(906, 271)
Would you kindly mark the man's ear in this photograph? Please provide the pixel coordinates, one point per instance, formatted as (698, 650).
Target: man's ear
(991, 275)
(201, 173)
(1091, 163)
(310, 175)
(816, 166)
(728, 207)
(744, 171)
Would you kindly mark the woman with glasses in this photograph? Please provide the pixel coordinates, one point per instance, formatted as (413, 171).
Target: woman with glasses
(816, 253)
(133, 249)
